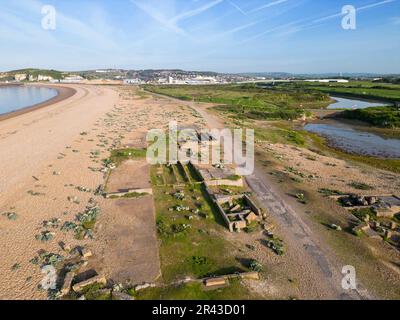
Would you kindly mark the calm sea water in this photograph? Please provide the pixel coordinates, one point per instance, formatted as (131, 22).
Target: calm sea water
(13, 98)
(343, 103)
(352, 140)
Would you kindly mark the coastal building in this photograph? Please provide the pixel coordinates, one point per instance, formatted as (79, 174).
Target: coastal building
(72, 79)
(20, 77)
(44, 78)
(328, 80)
(132, 81)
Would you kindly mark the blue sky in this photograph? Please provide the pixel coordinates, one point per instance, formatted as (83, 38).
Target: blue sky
(299, 36)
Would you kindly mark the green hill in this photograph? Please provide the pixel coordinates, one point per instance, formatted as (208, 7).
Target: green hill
(35, 72)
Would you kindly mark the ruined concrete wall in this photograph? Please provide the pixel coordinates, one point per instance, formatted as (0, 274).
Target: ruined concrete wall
(226, 182)
(252, 205)
(229, 224)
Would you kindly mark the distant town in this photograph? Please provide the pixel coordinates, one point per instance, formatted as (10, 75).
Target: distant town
(174, 77)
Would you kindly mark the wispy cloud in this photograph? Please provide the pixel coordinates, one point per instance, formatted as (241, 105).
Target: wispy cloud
(272, 30)
(172, 23)
(376, 4)
(298, 26)
(268, 5)
(65, 23)
(195, 12)
(157, 16)
(368, 6)
(237, 7)
(239, 28)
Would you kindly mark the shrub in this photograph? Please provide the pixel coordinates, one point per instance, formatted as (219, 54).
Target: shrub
(255, 266)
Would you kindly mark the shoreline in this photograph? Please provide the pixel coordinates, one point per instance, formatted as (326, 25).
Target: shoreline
(63, 93)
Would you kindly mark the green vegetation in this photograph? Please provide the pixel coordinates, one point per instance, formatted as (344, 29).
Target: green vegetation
(363, 213)
(360, 186)
(252, 227)
(234, 177)
(195, 291)
(357, 89)
(276, 245)
(249, 101)
(190, 230)
(93, 292)
(35, 72)
(192, 241)
(329, 192)
(130, 195)
(121, 155)
(279, 133)
(386, 117)
(256, 266)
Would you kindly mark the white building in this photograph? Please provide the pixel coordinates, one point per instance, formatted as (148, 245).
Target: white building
(72, 79)
(44, 78)
(132, 81)
(20, 77)
(328, 80)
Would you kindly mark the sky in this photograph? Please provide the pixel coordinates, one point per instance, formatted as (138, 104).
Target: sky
(296, 36)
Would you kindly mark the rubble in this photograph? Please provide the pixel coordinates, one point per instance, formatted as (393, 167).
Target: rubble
(215, 282)
(362, 227)
(336, 227)
(96, 279)
(86, 253)
(66, 287)
(144, 286)
(10, 215)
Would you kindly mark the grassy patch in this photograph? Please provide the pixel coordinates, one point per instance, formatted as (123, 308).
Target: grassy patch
(355, 89)
(250, 101)
(234, 177)
(363, 213)
(330, 192)
(252, 227)
(121, 155)
(192, 241)
(195, 291)
(94, 292)
(192, 237)
(360, 186)
(130, 195)
(386, 117)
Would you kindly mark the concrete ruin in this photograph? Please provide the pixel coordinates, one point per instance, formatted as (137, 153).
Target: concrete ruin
(235, 215)
(218, 175)
(386, 206)
(381, 222)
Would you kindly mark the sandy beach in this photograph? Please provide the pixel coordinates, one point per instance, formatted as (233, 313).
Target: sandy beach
(47, 156)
